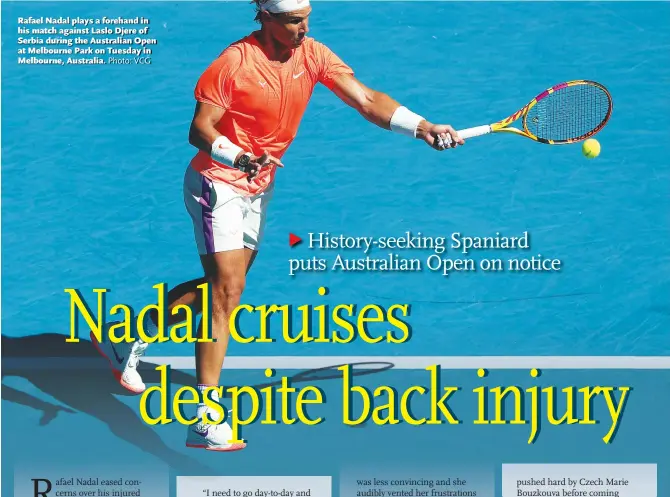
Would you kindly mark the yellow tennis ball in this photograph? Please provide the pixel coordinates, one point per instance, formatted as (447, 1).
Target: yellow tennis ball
(591, 148)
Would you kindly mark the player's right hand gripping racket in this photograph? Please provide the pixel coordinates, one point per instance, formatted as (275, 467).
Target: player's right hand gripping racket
(566, 113)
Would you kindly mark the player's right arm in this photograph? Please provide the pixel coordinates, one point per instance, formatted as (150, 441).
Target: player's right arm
(377, 107)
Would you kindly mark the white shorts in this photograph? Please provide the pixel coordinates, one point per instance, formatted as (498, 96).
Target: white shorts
(222, 218)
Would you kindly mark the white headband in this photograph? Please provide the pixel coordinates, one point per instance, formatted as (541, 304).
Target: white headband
(281, 6)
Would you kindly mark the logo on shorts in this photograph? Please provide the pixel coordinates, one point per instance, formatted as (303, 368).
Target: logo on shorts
(262, 83)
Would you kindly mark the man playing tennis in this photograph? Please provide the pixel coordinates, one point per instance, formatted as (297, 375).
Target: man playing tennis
(250, 102)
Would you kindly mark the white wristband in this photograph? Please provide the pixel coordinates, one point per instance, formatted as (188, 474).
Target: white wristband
(405, 122)
(225, 151)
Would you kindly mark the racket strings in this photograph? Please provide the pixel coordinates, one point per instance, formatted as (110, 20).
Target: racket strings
(569, 113)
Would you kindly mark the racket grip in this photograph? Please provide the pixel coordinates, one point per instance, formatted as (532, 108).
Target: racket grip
(476, 131)
(465, 134)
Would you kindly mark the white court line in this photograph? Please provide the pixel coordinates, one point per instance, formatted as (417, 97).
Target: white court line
(422, 362)
(367, 362)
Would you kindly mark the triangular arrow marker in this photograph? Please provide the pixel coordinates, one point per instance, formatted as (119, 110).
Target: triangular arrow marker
(293, 240)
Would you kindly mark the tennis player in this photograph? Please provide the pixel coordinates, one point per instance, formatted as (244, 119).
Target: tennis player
(250, 102)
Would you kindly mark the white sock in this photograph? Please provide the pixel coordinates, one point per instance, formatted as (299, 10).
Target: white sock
(203, 408)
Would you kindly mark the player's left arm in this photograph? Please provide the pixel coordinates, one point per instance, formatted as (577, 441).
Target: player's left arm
(382, 110)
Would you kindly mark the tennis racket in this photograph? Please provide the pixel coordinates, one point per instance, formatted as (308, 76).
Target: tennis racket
(566, 113)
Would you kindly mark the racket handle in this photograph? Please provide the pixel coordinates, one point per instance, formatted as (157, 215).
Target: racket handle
(466, 133)
(476, 131)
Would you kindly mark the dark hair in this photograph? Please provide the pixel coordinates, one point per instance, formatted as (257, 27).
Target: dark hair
(257, 6)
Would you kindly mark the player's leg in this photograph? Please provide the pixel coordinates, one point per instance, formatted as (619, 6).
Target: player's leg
(200, 198)
(249, 257)
(124, 358)
(226, 273)
(189, 294)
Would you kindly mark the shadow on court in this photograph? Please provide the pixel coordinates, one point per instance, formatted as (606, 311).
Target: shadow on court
(92, 390)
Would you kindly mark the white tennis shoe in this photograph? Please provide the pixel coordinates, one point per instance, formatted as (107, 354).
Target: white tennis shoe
(214, 437)
(123, 358)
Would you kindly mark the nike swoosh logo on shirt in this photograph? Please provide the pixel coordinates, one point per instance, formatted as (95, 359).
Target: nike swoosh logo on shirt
(296, 76)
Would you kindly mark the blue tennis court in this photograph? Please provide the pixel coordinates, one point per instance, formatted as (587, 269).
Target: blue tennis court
(100, 205)
(92, 166)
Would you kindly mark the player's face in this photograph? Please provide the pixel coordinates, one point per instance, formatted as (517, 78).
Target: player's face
(290, 29)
